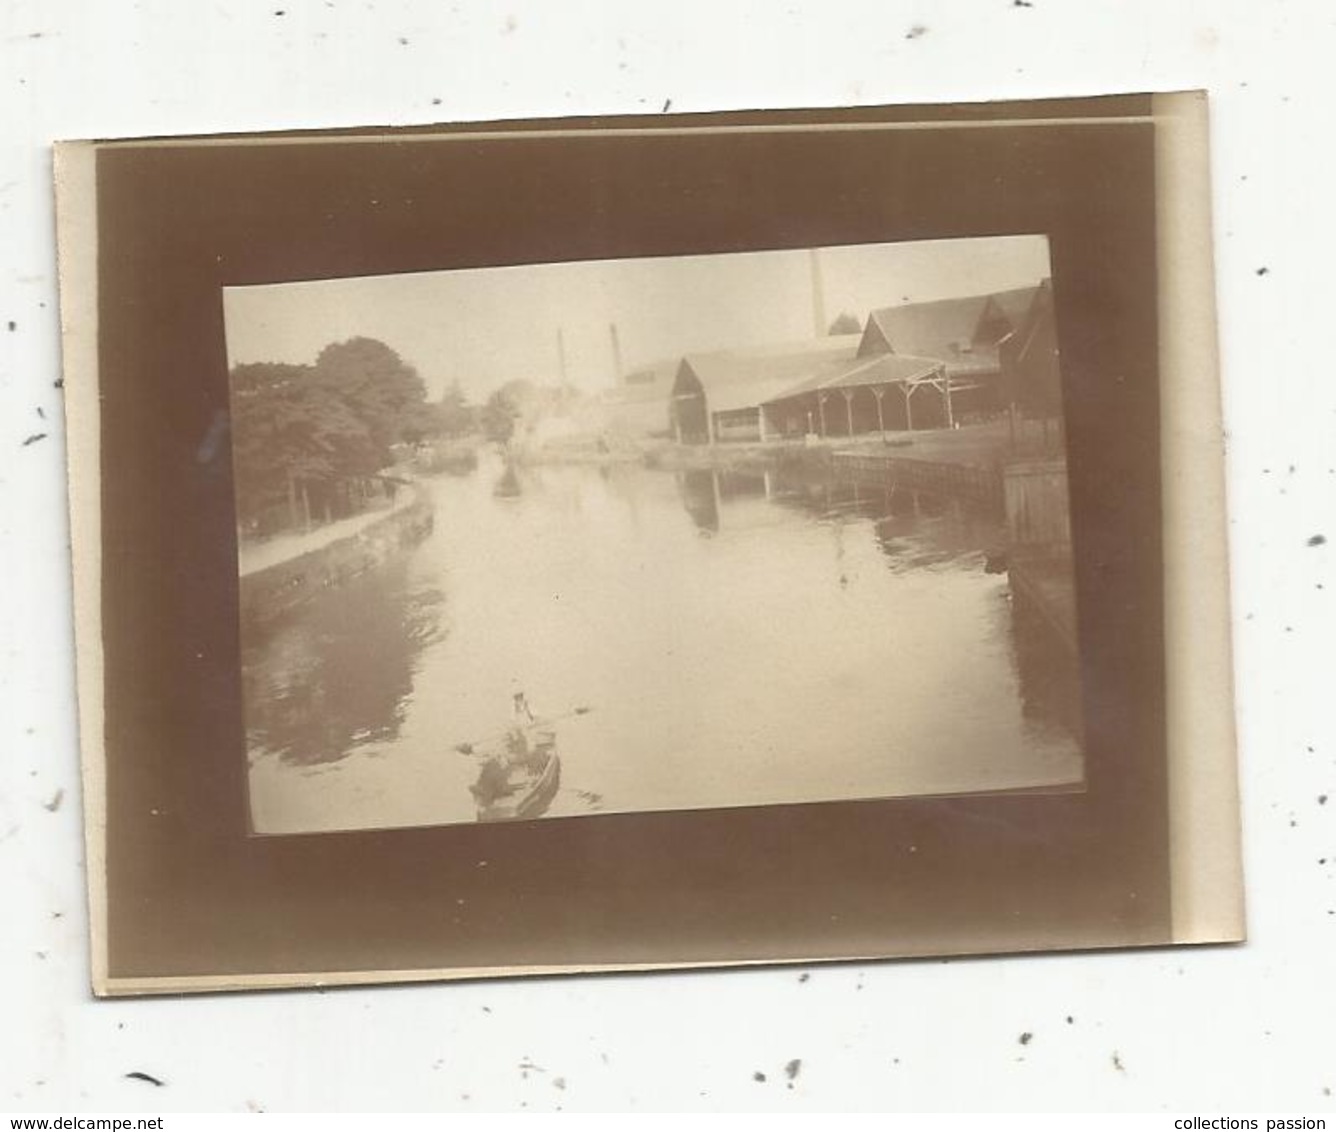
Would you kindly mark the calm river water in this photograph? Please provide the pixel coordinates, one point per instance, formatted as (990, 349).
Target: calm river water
(700, 640)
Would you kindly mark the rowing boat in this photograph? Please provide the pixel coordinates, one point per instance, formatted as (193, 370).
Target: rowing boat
(520, 779)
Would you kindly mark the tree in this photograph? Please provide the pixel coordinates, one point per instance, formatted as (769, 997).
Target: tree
(845, 323)
(375, 384)
(290, 435)
(503, 409)
(302, 433)
(453, 415)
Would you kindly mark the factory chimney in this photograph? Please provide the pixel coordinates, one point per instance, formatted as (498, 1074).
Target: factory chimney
(616, 355)
(818, 297)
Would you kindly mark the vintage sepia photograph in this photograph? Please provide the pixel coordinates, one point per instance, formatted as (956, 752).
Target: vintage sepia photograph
(654, 534)
(661, 541)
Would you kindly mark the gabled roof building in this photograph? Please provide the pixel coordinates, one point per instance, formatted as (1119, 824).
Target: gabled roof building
(719, 395)
(918, 365)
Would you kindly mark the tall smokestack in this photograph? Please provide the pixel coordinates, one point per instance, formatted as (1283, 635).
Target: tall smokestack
(819, 323)
(616, 355)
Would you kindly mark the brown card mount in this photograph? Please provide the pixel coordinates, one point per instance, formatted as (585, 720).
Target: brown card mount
(648, 542)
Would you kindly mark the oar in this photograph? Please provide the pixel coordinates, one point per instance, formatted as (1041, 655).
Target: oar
(469, 748)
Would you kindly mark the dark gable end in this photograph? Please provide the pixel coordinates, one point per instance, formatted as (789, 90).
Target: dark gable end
(1016, 304)
(874, 340)
(993, 326)
(1005, 313)
(1031, 378)
(686, 382)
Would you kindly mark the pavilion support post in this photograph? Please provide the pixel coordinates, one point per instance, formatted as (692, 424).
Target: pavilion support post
(849, 409)
(946, 397)
(821, 411)
(760, 422)
(909, 410)
(879, 393)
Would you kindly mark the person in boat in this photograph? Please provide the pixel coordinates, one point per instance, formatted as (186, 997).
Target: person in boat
(493, 782)
(523, 713)
(518, 748)
(523, 757)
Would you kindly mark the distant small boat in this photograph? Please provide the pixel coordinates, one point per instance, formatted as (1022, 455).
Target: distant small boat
(508, 485)
(521, 777)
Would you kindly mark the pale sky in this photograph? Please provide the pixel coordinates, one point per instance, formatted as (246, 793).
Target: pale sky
(483, 327)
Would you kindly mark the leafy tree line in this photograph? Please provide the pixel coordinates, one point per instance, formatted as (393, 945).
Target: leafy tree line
(308, 440)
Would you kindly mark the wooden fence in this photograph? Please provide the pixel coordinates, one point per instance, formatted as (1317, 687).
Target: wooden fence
(977, 485)
(1038, 515)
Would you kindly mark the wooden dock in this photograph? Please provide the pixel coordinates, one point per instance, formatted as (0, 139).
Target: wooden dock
(1038, 511)
(1031, 494)
(973, 484)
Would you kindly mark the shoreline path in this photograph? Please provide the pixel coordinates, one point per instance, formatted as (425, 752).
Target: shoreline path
(283, 548)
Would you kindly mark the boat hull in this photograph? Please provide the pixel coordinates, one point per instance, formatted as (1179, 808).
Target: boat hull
(518, 777)
(530, 800)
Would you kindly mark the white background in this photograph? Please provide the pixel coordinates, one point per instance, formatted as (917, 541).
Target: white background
(1211, 1029)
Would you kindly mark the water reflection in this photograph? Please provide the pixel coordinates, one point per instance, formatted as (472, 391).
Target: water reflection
(508, 484)
(337, 673)
(1049, 678)
(700, 497)
(822, 640)
(914, 529)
